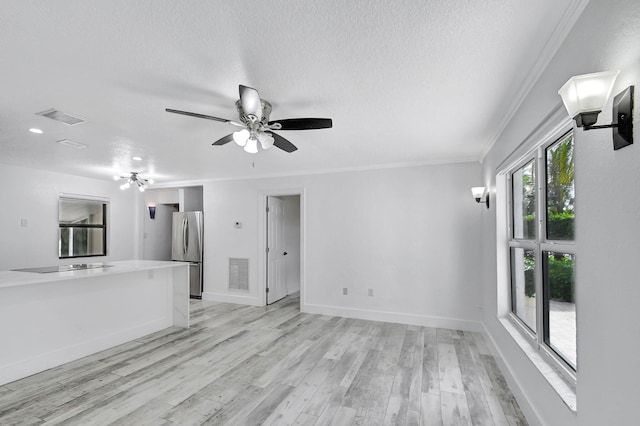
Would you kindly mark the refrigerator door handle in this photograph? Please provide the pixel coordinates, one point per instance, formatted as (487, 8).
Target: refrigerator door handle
(185, 235)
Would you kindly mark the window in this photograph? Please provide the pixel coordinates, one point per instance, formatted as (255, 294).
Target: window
(542, 249)
(82, 229)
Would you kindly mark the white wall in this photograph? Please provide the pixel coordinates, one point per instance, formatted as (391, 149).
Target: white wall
(191, 199)
(410, 234)
(32, 195)
(153, 197)
(607, 36)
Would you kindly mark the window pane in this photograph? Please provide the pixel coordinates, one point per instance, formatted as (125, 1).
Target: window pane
(523, 285)
(560, 189)
(81, 242)
(524, 202)
(81, 211)
(560, 306)
(63, 242)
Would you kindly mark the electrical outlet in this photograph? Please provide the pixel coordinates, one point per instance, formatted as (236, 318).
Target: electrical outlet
(150, 274)
(345, 291)
(371, 292)
(24, 223)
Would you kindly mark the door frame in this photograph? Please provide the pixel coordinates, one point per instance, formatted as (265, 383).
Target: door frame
(262, 239)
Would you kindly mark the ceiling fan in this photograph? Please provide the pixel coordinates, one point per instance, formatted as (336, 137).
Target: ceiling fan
(256, 127)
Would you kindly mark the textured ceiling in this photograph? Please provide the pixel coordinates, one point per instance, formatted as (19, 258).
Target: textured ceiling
(405, 82)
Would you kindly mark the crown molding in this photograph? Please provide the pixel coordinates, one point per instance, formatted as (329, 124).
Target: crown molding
(565, 25)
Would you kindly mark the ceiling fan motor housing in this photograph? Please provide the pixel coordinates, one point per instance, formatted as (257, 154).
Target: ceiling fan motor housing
(266, 111)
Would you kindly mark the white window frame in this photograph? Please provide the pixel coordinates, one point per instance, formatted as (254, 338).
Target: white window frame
(539, 244)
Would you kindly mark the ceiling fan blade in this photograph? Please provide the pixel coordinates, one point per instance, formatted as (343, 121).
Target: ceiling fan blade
(282, 143)
(304, 123)
(224, 140)
(250, 100)
(195, 114)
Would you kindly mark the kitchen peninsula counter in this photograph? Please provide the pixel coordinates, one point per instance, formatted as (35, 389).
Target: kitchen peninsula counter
(17, 278)
(48, 319)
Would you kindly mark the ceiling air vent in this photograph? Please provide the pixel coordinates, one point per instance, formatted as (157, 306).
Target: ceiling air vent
(72, 144)
(60, 116)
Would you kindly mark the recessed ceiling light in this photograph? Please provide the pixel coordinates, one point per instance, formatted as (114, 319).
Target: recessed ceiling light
(34, 130)
(137, 158)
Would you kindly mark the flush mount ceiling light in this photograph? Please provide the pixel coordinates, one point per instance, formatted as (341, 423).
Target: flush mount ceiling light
(136, 158)
(134, 179)
(36, 131)
(584, 97)
(480, 194)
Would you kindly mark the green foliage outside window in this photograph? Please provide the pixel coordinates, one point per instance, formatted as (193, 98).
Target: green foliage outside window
(559, 225)
(560, 190)
(560, 274)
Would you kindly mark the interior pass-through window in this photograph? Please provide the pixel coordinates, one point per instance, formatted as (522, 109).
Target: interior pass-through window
(82, 229)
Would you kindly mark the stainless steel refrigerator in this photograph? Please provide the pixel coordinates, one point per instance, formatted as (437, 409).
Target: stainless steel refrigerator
(187, 247)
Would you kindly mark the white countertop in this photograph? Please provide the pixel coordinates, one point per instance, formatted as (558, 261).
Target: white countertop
(18, 278)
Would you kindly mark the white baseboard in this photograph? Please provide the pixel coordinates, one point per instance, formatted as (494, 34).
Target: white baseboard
(232, 298)
(395, 317)
(514, 384)
(45, 361)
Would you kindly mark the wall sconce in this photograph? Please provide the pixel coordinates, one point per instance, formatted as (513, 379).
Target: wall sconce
(481, 194)
(152, 212)
(584, 96)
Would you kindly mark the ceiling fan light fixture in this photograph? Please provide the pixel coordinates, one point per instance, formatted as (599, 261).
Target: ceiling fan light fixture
(240, 137)
(252, 146)
(266, 140)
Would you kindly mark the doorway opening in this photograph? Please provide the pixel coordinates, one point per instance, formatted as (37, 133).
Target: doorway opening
(283, 247)
(157, 233)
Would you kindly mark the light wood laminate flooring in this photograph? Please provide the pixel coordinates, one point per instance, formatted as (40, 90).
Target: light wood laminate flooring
(241, 365)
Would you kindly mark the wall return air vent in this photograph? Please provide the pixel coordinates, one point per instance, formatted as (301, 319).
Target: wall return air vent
(60, 116)
(238, 274)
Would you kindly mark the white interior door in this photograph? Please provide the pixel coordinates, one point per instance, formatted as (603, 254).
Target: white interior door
(276, 286)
